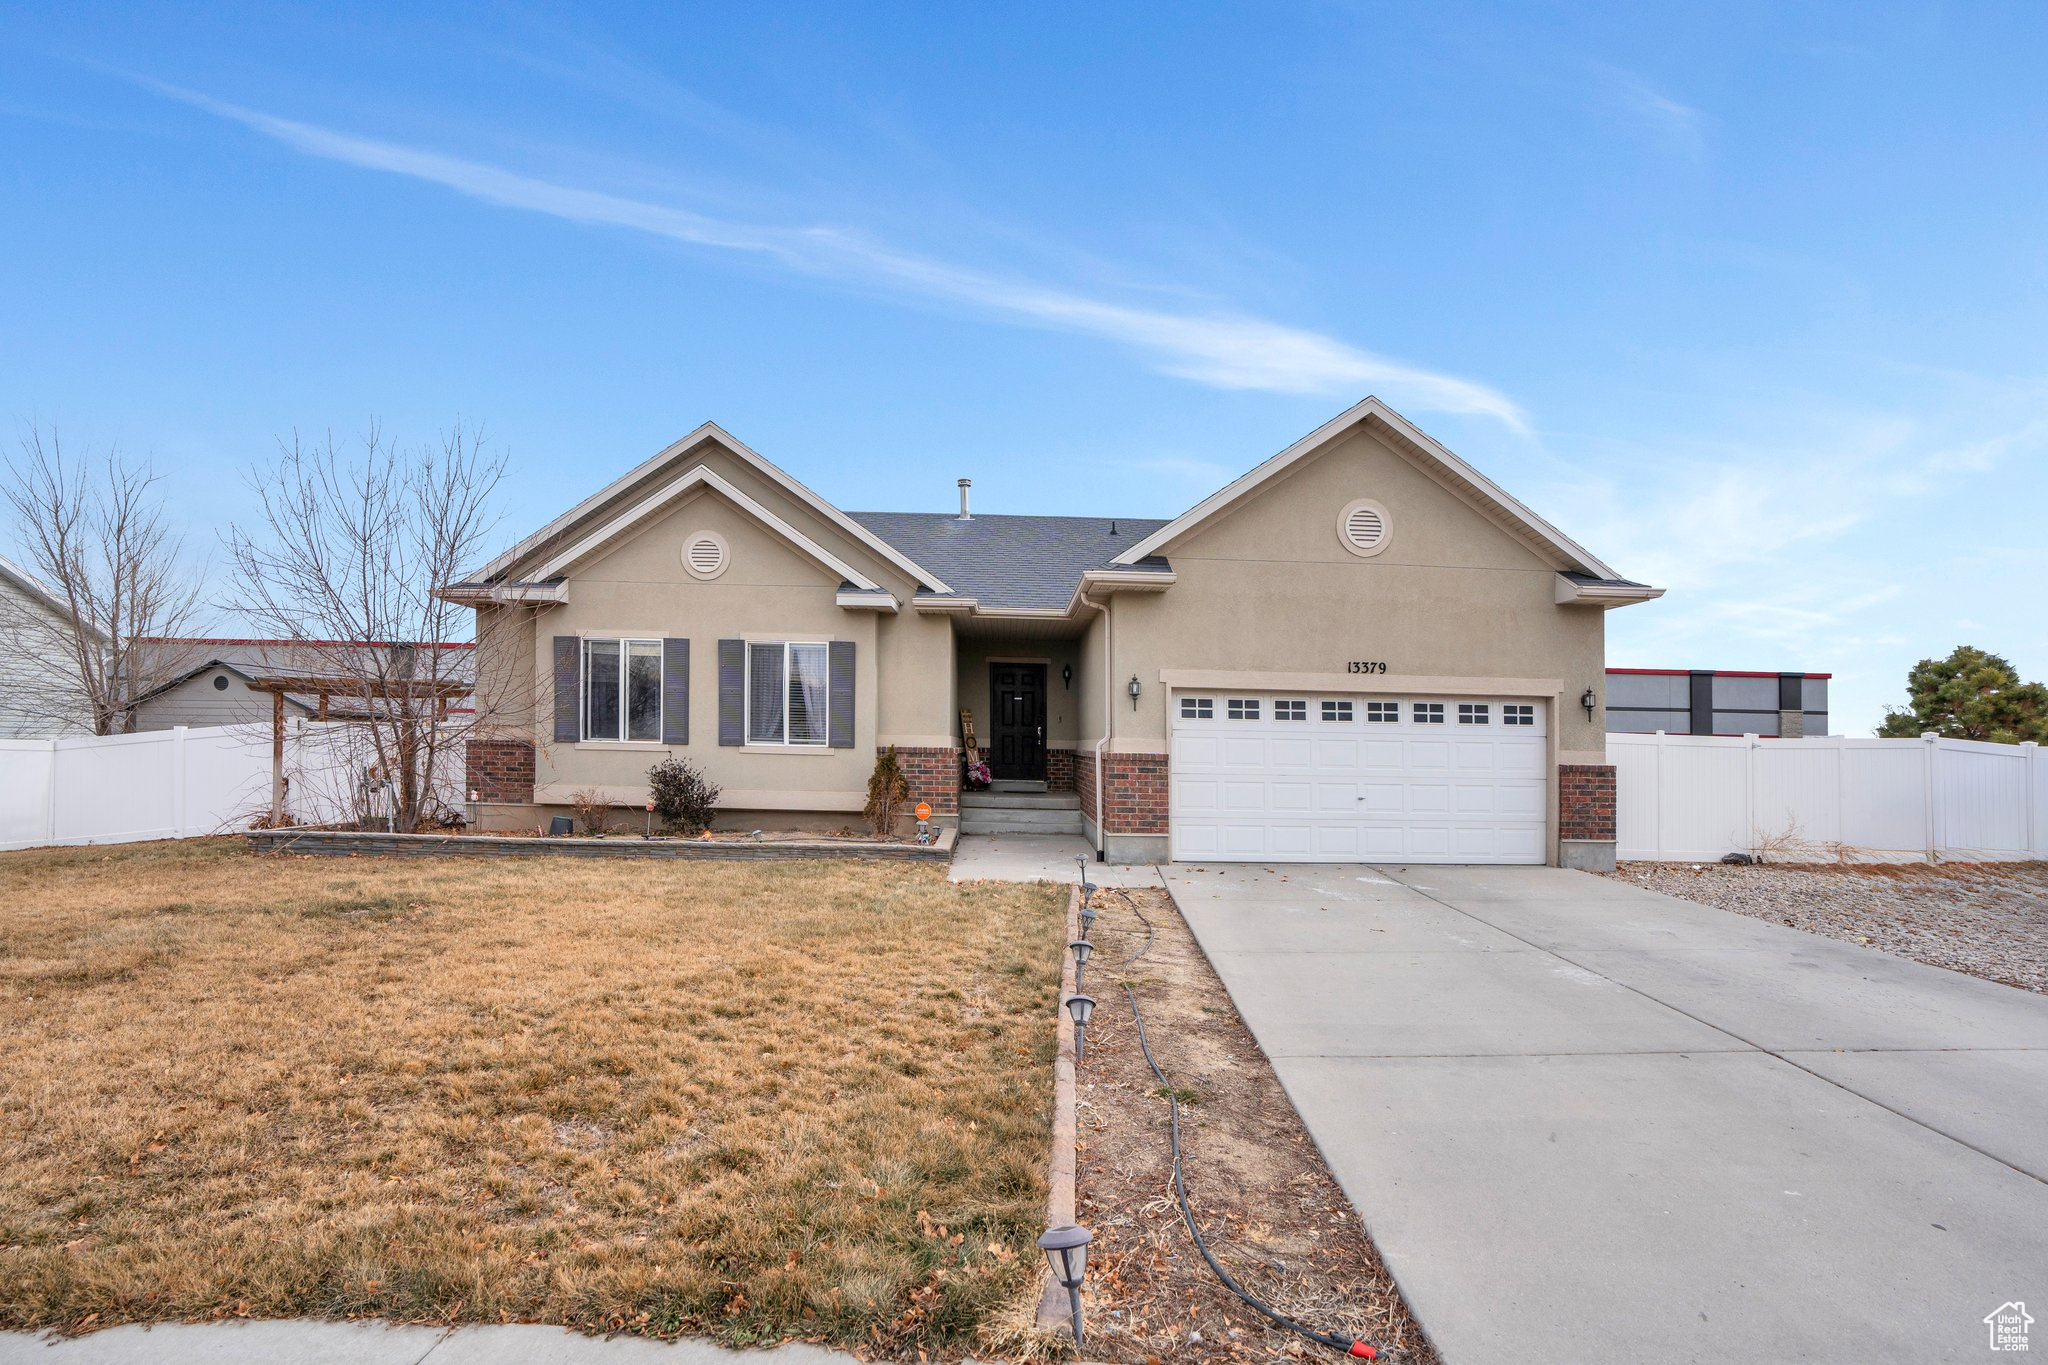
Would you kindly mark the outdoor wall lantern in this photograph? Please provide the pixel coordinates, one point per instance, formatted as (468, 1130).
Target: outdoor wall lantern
(1081, 1007)
(1588, 700)
(1066, 1250)
(1132, 688)
(1067, 676)
(1081, 948)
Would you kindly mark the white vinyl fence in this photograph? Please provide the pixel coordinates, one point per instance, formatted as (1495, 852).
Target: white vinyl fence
(1693, 798)
(172, 784)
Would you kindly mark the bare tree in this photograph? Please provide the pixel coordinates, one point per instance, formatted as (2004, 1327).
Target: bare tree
(120, 590)
(351, 548)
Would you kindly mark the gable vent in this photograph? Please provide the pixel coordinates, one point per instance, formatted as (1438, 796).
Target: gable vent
(1363, 527)
(704, 555)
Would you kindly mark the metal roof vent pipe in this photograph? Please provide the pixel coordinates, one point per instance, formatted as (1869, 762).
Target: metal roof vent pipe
(965, 484)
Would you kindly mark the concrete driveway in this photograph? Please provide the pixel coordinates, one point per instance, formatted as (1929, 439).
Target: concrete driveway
(1585, 1122)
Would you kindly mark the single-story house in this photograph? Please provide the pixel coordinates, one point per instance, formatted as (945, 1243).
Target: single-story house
(1362, 650)
(206, 680)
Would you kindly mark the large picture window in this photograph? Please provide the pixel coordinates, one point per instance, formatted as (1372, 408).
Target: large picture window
(622, 690)
(787, 693)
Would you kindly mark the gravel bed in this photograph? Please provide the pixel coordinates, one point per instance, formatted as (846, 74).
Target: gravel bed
(1986, 919)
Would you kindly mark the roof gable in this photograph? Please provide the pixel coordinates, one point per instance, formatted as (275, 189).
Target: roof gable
(564, 529)
(1461, 478)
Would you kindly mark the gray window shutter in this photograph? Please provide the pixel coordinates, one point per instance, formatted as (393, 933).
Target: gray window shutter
(568, 672)
(842, 694)
(732, 684)
(675, 691)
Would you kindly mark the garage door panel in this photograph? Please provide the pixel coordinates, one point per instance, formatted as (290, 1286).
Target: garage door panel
(1348, 788)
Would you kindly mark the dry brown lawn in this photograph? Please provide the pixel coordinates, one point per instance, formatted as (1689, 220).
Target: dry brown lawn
(759, 1100)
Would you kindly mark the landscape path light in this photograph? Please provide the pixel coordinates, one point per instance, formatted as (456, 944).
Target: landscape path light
(1066, 1251)
(1081, 1007)
(1081, 947)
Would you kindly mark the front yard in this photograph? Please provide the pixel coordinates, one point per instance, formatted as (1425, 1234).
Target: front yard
(758, 1100)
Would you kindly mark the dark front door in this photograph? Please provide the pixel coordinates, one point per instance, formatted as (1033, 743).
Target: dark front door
(1016, 738)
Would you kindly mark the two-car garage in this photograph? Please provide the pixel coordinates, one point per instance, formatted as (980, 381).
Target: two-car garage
(1302, 777)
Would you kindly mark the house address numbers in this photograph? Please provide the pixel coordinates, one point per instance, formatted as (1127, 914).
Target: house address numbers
(1366, 666)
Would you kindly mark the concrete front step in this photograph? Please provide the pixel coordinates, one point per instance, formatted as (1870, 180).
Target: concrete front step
(999, 800)
(1021, 820)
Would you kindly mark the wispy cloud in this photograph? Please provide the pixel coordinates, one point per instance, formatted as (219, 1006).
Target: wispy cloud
(1223, 350)
(1203, 474)
(1672, 122)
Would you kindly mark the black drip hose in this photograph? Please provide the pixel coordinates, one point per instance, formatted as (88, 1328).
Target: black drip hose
(1348, 1345)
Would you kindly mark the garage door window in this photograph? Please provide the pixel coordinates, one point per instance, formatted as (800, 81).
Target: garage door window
(1429, 713)
(1516, 713)
(1288, 709)
(1339, 711)
(1244, 708)
(1472, 713)
(1382, 712)
(1197, 708)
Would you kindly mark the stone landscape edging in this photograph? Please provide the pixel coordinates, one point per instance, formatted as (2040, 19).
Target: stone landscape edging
(1053, 1313)
(349, 843)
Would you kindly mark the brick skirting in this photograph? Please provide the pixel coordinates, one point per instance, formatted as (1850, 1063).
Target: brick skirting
(1585, 801)
(1059, 770)
(1135, 799)
(934, 777)
(499, 770)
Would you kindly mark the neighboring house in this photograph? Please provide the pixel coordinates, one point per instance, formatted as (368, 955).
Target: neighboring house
(41, 693)
(1679, 701)
(209, 679)
(1362, 650)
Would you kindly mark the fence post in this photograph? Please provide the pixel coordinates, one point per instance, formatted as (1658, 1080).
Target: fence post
(1932, 740)
(178, 793)
(2030, 753)
(1751, 832)
(1657, 804)
(50, 798)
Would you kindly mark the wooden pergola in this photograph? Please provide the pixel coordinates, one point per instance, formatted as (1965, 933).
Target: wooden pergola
(440, 691)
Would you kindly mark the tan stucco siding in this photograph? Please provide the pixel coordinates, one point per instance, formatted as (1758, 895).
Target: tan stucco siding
(918, 707)
(508, 692)
(743, 476)
(1269, 587)
(769, 591)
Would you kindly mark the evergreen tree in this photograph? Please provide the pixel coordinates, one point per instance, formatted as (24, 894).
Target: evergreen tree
(1969, 695)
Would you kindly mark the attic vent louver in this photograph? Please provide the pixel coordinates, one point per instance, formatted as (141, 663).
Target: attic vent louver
(704, 555)
(1363, 527)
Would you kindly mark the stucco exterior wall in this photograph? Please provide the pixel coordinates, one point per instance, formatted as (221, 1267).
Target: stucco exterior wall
(1269, 587)
(769, 591)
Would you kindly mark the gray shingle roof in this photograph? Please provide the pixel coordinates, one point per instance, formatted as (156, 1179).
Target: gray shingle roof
(1005, 561)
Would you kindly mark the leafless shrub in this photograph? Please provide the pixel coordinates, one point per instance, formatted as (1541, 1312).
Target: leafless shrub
(593, 810)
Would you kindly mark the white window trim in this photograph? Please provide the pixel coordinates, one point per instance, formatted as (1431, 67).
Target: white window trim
(584, 740)
(783, 745)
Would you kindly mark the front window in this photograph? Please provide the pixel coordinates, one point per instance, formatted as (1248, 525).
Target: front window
(622, 690)
(787, 693)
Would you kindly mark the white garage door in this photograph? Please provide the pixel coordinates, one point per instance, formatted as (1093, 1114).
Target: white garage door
(1296, 777)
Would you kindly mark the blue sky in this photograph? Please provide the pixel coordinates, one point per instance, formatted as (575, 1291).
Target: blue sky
(1748, 298)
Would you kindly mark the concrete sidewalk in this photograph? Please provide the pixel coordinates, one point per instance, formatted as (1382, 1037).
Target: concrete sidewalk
(306, 1342)
(1586, 1122)
(1040, 858)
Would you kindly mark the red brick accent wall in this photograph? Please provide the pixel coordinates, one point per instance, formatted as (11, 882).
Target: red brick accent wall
(1084, 782)
(499, 770)
(1135, 799)
(934, 777)
(1585, 801)
(1059, 770)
